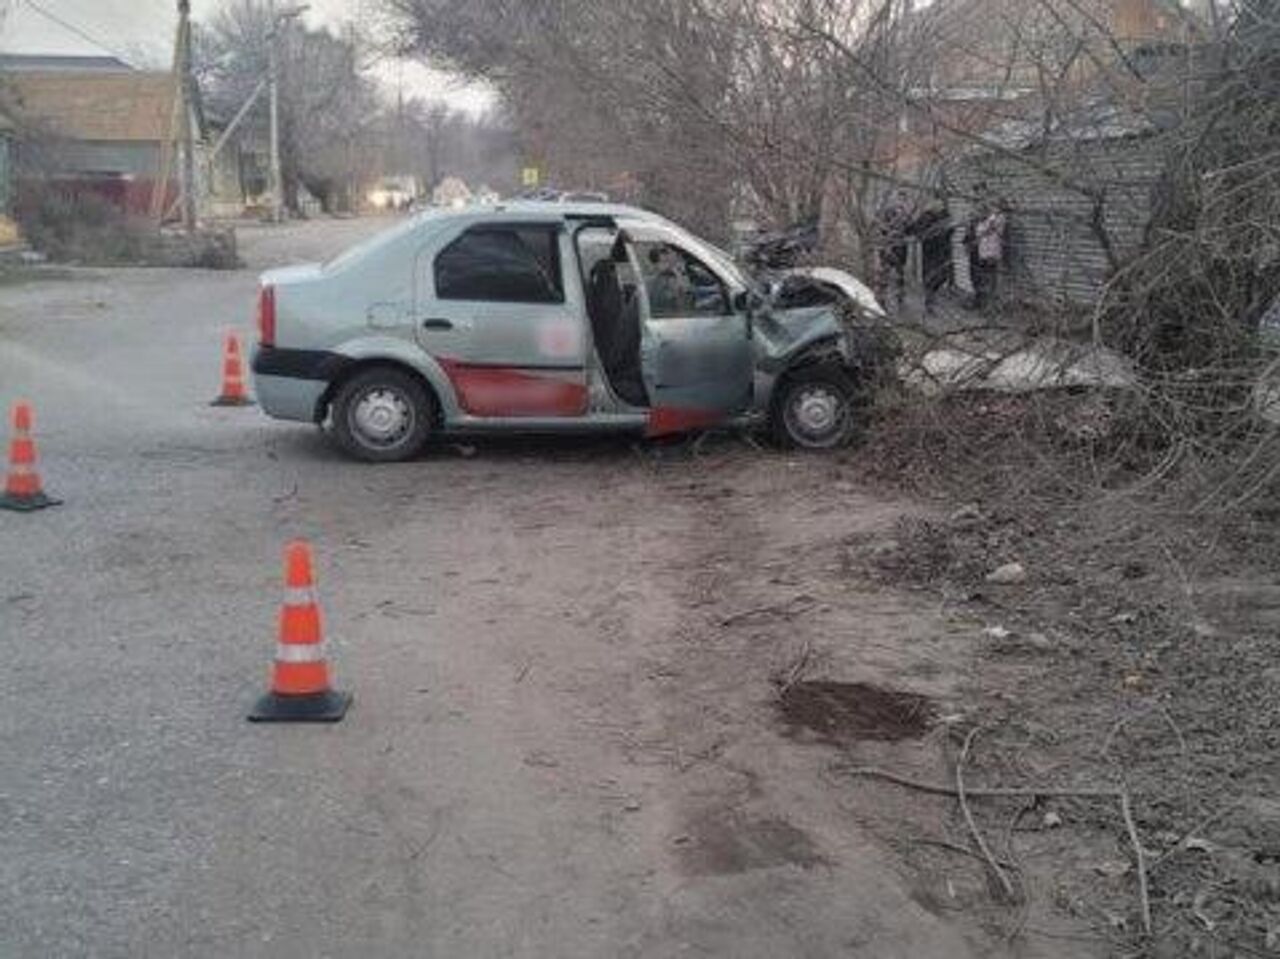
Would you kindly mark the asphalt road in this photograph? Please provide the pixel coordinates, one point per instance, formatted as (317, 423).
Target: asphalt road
(557, 746)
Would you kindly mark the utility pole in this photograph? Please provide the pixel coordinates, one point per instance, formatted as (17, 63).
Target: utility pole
(273, 85)
(186, 83)
(278, 21)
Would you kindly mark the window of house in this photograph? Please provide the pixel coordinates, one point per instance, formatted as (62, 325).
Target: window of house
(504, 264)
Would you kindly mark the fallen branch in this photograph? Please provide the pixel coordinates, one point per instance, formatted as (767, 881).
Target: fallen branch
(796, 672)
(1195, 830)
(788, 610)
(954, 847)
(962, 793)
(1140, 859)
(1005, 883)
(871, 772)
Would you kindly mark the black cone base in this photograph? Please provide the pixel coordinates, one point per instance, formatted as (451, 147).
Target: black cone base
(232, 401)
(27, 504)
(326, 707)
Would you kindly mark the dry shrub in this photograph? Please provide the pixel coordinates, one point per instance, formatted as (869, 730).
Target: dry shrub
(75, 226)
(1146, 521)
(70, 225)
(1174, 451)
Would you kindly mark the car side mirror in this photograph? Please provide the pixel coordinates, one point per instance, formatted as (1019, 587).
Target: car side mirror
(747, 301)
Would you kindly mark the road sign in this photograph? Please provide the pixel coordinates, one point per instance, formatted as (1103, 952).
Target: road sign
(530, 176)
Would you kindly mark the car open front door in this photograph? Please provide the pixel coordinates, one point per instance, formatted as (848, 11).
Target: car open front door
(696, 352)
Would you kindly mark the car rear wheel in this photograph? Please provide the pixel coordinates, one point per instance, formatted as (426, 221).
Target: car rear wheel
(815, 409)
(383, 415)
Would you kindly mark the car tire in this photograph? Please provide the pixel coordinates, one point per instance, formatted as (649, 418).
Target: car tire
(383, 415)
(815, 408)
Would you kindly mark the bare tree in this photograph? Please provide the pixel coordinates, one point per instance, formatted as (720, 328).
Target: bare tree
(787, 109)
(329, 107)
(714, 107)
(434, 141)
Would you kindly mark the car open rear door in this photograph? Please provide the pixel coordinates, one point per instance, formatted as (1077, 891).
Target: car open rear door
(696, 352)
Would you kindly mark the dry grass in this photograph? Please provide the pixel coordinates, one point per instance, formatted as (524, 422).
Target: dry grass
(1150, 620)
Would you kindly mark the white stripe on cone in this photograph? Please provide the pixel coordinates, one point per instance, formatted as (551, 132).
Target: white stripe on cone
(300, 653)
(299, 596)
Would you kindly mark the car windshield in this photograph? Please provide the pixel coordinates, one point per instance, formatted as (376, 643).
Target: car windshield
(725, 261)
(721, 260)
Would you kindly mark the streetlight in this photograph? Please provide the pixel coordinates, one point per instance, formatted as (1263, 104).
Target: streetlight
(278, 20)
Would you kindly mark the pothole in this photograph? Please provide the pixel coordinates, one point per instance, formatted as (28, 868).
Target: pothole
(847, 712)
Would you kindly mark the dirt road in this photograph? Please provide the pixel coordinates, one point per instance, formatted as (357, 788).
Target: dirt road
(565, 739)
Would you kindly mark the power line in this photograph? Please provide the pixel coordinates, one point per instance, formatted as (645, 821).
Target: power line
(66, 25)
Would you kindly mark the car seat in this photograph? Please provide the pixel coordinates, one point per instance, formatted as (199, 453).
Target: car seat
(615, 325)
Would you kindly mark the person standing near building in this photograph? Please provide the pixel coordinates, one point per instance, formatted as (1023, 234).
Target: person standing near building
(989, 247)
(933, 229)
(895, 220)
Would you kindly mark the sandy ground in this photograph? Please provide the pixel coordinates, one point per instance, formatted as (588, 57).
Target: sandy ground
(564, 740)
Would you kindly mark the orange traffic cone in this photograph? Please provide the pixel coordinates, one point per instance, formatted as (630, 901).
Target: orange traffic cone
(233, 393)
(22, 490)
(300, 690)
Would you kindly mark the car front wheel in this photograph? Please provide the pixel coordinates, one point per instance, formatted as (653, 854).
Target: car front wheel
(815, 408)
(383, 415)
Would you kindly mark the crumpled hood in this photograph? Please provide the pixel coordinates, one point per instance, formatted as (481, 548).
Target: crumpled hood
(780, 334)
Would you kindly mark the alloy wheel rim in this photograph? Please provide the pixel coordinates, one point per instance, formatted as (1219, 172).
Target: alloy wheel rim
(382, 418)
(816, 414)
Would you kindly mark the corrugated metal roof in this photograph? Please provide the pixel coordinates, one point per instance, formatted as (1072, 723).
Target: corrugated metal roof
(130, 107)
(1097, 118)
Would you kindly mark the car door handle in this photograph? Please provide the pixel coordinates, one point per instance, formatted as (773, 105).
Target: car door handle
(436, 324)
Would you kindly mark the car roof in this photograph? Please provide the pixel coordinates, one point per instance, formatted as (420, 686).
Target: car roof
(532, 211)
(585, 210)
(556, 209)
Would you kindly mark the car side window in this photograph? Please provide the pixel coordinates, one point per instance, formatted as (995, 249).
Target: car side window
(503, 264)
(678, 283)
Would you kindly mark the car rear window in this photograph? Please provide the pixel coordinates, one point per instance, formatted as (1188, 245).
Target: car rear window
(506, 264)
(376, 242)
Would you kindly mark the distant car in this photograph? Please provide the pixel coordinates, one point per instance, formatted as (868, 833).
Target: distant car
(392, 193)
(558, 317)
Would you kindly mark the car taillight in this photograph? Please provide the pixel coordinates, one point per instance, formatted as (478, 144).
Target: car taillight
(267, 316)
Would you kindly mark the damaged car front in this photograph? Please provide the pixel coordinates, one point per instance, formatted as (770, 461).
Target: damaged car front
(818, 328)
(818, 339)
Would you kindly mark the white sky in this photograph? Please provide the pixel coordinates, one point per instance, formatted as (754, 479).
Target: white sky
(143, 29)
